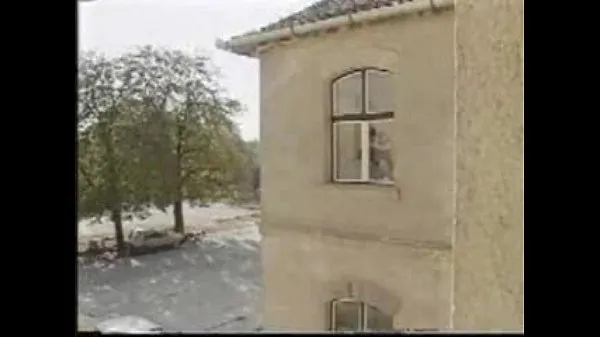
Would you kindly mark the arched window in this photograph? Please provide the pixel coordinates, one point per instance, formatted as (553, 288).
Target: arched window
(349, 314)
(362, 116)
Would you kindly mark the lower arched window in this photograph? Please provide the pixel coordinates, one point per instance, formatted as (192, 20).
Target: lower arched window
(349, 314)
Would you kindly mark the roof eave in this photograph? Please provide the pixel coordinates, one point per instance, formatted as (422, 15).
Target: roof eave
(247, 45)
(241, 49)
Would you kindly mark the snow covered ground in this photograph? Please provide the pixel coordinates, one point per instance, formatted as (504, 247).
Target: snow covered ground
(195, 217)
(213, 285)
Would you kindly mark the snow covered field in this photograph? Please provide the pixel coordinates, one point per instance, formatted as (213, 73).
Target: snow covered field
(213, 285)
(195, 217)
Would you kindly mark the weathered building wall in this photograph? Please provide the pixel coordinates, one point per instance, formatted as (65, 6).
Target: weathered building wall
(295, 130)
(488, 256)
(458, 158)
(302, 261)
(303, 272)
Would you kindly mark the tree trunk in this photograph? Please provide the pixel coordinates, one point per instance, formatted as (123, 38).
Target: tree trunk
(178, 214)
(117, 219)
(256, 183)
(114, 194)
(178, 202)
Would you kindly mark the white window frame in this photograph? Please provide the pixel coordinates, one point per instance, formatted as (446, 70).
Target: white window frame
(334, 111)
(362, 318)
(364, 124)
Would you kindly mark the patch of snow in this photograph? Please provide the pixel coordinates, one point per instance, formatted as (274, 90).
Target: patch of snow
(104, 288)
(248, 234)
(188, 258)
(197, 217)
(190, 289)
(128, 324)
(85, 323)
(135, 263)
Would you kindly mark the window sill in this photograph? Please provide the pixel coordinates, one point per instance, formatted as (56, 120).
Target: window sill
(365, 186)
(364, 183)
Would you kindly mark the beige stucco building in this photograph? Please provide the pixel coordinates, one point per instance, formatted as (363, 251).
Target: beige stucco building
(392, 165)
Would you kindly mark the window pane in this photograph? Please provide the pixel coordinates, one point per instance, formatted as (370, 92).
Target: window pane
(378, 321)
(348, 154)
(348, 94)
(380, 91)
(347, 316)
(381, 166)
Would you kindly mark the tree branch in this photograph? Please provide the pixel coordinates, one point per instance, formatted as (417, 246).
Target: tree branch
(86, 176)
(190, 172)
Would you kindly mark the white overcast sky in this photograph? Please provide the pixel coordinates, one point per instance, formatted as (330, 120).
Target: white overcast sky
(113, 26)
